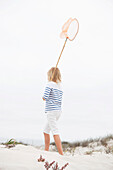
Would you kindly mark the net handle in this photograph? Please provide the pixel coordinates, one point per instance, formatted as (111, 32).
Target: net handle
(59, 58)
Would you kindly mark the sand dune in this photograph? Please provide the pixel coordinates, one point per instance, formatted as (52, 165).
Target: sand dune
(23, 157)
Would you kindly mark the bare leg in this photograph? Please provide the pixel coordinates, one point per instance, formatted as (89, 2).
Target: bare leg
(58, 143)
(47, 141)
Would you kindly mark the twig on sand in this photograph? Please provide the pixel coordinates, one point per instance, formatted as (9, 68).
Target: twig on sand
(57, 168)
(41, 159)
(64, 166)
(47, 165)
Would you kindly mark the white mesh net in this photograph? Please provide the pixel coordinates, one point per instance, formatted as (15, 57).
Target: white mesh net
(70, 29)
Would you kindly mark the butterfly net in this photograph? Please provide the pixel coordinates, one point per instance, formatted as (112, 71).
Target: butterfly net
(70, 29)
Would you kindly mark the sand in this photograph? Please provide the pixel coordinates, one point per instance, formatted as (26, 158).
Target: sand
(23, 157)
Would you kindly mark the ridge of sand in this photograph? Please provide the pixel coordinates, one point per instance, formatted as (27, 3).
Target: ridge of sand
(25, 158)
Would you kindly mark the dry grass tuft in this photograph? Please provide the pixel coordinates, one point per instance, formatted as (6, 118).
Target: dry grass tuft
(89, 143)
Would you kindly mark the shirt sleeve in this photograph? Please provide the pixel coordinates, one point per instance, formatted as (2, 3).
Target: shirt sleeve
(47, 92)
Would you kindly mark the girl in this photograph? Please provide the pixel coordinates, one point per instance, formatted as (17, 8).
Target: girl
(53, 97)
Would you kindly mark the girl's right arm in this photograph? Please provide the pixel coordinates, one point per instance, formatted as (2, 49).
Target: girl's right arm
(43, 98)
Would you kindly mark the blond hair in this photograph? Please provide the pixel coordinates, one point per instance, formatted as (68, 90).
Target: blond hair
(56, 77)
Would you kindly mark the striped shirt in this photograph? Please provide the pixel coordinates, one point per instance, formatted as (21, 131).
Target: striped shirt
(53, 96)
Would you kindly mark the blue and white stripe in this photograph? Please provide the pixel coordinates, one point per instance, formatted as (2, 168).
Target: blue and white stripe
(53, 96)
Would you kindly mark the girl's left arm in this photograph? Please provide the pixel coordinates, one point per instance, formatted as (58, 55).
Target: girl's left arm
(46, 93)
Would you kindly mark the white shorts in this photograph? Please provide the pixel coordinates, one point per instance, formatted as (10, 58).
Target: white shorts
(51, 125)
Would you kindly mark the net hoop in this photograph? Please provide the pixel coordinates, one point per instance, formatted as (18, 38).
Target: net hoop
(65, 28)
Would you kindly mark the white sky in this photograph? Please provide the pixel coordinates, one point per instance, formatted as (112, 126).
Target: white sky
(30, 45)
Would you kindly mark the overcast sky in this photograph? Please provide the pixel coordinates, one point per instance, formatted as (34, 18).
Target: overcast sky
(30, 45)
